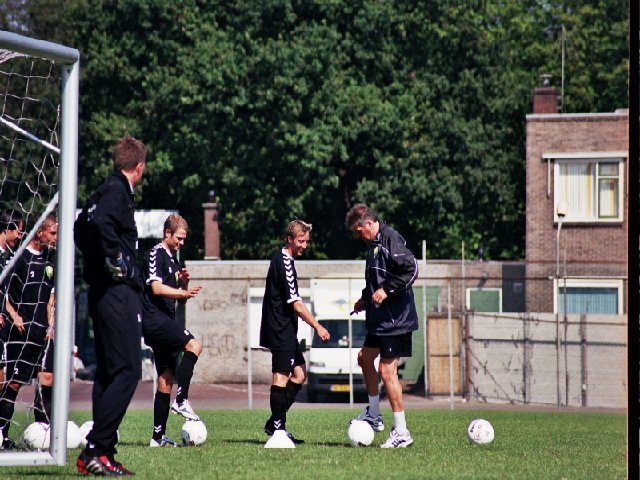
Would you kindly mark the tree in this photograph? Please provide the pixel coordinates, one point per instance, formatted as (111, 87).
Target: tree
(295, 108)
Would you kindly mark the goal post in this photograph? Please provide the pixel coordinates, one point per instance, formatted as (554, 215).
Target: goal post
(68, 60)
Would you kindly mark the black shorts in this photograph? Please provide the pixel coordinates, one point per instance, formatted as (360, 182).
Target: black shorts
(23, 361)
(166, 338)
(284, 361)
(394, 346)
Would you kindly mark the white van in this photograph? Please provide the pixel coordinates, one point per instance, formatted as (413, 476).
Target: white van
(333, 366)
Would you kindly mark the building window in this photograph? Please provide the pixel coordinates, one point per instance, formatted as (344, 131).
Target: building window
(589, 296)
(484, 299)
(591, 188)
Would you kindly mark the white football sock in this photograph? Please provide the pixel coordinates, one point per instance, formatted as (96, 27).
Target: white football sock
(399, 422)
(374, 405)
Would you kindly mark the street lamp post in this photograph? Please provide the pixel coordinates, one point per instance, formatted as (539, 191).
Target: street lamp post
(561, 212)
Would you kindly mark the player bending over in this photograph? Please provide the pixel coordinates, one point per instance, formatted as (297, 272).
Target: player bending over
(166, 282)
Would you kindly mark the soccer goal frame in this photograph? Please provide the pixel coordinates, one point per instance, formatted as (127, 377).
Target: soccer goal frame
(69, 60)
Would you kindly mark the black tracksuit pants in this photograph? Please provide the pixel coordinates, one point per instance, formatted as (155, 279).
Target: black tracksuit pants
(115, 310)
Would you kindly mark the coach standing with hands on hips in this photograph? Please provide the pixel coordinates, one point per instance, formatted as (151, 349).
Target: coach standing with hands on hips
(106, 233)
(391, 317)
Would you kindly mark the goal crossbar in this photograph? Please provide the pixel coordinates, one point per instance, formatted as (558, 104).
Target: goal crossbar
(69, 59)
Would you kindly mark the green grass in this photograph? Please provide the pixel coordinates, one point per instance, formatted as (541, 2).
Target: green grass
(527, 445)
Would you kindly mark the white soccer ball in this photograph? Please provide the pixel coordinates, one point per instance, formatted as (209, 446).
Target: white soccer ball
(85, 428)
(74, 437)
(480, 431)
(194, 432)
(360, 433)
(37, 436)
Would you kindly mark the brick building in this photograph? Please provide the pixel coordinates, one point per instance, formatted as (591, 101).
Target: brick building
(577, 200)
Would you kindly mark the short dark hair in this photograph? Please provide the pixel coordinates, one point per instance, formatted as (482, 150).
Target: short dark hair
(10, 219)
(359, 214)
(128, 153)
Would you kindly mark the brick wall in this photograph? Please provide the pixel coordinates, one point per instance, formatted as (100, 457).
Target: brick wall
(589, 250)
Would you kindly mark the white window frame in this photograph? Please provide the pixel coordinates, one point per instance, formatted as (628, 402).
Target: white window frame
(583, 158)
(483, 289)
(587, 283)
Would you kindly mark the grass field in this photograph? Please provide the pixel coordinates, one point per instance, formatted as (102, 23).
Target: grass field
(528, 445)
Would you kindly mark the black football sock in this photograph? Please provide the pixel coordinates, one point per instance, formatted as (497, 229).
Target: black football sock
(292, 391)
(7, 406)
(278, 402)
(185, 372)
(42, 404)
(160, 414)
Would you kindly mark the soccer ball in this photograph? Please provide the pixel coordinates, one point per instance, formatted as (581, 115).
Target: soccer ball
(74, 437)
(194, 432)
(360, 433)
(37, 436)
(480, 432)
(85, 428)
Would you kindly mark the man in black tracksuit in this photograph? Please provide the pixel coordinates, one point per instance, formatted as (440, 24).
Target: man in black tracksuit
(390, 317)
(106, 234)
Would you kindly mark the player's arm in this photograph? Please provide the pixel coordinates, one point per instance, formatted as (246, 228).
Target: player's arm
(51, 316)
(402, 271)
(303, 312)
(15, 317)
(180, 294)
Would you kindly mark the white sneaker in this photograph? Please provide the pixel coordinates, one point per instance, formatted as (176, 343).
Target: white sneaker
(376, 422)
(185, 410)
(164, 442)
(397, 440)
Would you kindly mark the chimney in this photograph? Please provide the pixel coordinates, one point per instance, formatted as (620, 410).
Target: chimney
(211, 229)
(545, 97)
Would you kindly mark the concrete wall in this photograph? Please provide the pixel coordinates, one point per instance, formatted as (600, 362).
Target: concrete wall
(513, 359)
(499, 348)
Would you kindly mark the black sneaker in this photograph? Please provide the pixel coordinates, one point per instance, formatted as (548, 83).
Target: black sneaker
(269, 427)
(8, 444)
(99, 466)
(296, 441)
(123, 471)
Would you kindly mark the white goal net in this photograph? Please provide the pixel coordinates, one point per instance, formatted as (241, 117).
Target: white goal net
(38, 175)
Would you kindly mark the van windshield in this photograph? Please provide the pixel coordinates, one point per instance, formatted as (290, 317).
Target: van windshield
(339, 331)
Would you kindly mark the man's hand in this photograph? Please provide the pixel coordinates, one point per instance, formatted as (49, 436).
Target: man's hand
(116, 267)
(358, 306)
(190, 292)
(18, 322)
(323, 333)
(379, 296)
(184, 277)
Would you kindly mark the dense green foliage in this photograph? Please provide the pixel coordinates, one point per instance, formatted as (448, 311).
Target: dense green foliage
(528, 445)
(302, 108)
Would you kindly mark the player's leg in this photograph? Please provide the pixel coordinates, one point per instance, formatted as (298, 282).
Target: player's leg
(116, 314)
(393, 348)
(283, 364)
(192, 350)
(8, 396)
(22, 359)
(42, 400)
(297, 379)
(161, 406)
(366, 359)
